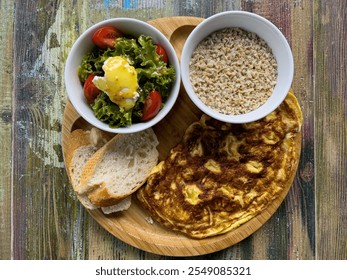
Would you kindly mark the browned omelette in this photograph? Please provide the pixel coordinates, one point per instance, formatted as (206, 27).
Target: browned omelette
(222, 175)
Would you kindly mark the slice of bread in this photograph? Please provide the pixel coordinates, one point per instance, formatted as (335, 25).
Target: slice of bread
(78, 150)
(82, 144)
(119, 168)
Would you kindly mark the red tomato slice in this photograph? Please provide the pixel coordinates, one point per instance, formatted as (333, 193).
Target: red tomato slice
(152, 105)
(90, 90)
(106, 36)
(161, 51)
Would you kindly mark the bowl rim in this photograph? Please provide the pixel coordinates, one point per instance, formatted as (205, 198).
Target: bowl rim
(257, 113)
(68, 71)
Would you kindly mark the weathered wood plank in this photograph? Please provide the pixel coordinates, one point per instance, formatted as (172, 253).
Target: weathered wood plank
(330, 33)
(301, 199)
(6, 78)
(204, 9)
(45, 216)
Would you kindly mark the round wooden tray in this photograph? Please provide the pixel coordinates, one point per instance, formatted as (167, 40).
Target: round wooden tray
(132, 226)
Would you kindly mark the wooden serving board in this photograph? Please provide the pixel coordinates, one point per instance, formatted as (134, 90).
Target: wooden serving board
(132, 226)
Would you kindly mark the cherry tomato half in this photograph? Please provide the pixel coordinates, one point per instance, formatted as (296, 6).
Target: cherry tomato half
(152, 105)
(161, 51)
(90, 90)
(106, 36)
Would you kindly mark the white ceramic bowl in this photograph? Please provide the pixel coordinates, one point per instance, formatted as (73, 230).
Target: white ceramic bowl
(84, 44)
(265, 30)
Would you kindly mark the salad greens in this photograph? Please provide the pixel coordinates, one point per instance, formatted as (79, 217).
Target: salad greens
(152, 74)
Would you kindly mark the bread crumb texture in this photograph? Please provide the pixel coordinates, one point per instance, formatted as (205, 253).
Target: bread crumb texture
(127, 162)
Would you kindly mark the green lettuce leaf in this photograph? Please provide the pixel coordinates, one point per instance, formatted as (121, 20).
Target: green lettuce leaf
(108, 112)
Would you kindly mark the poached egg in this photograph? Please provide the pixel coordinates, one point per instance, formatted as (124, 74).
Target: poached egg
(119, 82)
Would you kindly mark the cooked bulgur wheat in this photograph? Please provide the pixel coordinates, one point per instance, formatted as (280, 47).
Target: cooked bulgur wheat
(233, 71)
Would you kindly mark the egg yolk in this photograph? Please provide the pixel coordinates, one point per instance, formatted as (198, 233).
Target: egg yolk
(119, 82)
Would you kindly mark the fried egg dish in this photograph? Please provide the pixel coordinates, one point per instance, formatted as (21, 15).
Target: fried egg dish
(222, 175)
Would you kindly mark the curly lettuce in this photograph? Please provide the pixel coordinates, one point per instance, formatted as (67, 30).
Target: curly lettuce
(152, 74)
(108, 112)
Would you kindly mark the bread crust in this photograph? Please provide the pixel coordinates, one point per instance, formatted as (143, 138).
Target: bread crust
(98, 190)
(86, 143)
(102, 197)
(78, 138)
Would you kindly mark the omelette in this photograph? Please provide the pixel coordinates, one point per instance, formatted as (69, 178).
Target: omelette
(221, 175)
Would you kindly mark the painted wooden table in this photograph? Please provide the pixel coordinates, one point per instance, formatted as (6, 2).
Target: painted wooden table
(40, 218)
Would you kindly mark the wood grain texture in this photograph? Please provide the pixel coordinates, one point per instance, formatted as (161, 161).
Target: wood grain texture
(6, 49)
(301, 199)
(330, 56)
(48, 222)
(41, 220)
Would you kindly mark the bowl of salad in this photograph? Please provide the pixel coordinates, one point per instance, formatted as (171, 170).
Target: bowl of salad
(122, 75)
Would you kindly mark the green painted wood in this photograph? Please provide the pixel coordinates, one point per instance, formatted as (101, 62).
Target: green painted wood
(6, 78)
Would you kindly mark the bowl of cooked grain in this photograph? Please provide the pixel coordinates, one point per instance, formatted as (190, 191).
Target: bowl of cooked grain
(237, 66)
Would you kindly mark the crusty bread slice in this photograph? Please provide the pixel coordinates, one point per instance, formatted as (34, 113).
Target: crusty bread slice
(78, 140)
(78, 150)
(81, 156)
(119, 168)
(82, 144)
